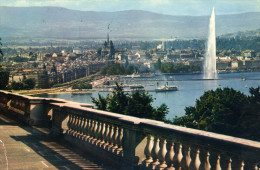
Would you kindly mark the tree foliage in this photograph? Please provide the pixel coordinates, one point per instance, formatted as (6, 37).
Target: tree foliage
(138, 104)
(4, 77)
(117, 69)
(225, 111)
(1, 52)
(19, 59)
(26, 84)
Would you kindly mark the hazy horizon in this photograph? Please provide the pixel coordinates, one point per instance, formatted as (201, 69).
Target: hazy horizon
(168, 7)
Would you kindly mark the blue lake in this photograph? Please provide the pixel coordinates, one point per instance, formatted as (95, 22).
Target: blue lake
(190, 88)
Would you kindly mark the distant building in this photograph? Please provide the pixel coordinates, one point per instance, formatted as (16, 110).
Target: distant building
(108, 49)
(236, 64)
(43, 78)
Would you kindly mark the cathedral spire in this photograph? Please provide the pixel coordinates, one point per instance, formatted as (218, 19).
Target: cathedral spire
(108, 33)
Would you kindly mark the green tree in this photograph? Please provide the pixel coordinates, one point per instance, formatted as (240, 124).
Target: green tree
(224, 111)
(118, 100)
(17, 85)
(4, 77)
(26, 84)
(1, 52)
(159, 64)
(99, 51)
(138, 104)
(29, 83)
(101, 102)
(255, 95)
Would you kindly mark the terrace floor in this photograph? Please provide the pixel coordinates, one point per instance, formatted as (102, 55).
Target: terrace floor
(26, 147)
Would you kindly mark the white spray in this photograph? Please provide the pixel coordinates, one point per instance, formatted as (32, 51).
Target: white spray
(210, 71)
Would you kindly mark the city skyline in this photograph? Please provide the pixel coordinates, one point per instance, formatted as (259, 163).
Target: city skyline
(170, 7)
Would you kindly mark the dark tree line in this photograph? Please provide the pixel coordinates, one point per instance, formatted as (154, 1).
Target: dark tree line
(26, 84)
(176, 68)
(117, 69)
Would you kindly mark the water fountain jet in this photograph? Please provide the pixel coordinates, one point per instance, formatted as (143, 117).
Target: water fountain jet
(210, 70)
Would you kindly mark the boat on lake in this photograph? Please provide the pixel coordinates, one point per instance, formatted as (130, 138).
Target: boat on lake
(166, 88)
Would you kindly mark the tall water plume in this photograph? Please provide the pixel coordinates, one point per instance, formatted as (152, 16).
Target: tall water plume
(210, 71)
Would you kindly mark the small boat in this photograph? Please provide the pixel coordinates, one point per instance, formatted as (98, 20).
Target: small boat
(132, 75)
(166, 88)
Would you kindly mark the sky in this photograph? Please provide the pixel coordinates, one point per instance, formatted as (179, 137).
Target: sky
(170, 7)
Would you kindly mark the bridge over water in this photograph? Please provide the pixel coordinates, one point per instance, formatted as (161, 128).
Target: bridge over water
(58, 134)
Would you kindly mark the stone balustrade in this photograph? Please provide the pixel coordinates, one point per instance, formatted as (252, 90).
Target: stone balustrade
(134, 143)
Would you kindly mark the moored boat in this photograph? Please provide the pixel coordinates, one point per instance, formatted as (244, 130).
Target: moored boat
(166, 88)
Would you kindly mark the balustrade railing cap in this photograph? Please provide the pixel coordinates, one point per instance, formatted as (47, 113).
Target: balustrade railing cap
(6, 92)
(204, 134)
(94, 111)
(56, 100)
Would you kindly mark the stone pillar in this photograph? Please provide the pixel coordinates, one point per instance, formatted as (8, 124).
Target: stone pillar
(37, 112)
(59, 120)
(134, 142)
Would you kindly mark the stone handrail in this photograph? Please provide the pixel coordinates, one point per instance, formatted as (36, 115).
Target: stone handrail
(137, 143)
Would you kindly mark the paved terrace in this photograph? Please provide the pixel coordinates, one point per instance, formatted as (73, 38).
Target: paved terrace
(27, 147)
(124, 141)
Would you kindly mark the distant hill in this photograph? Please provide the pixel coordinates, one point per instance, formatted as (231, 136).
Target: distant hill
(242, 34)
(56, 22)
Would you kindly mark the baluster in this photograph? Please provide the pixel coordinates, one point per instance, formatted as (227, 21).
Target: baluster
(206, 161)
(115, 146)
(178, 156)
(242, 165)
(94, 139)
(195, 162)
(229, 164)
(91, 126)
(106, 136)
(81, 128)
(162, 154)
(148, 151)
(73, 125)
(119, 150)
(237, 164)
(76, 126)
(155, 152)
(110, 137)
(87, 129)
(98, 133)
(69, 124)
(185, 163)
(225, 161)
(84, 126)
(102, 134)
(218, 167)
(93, 131)
(251, 165)
(170, 155)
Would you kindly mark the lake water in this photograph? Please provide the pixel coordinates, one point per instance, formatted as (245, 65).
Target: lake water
(190, 88)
